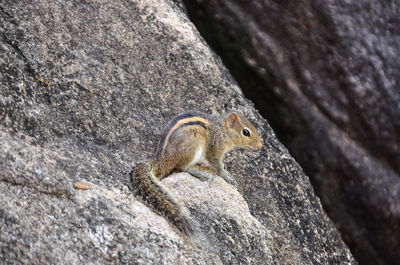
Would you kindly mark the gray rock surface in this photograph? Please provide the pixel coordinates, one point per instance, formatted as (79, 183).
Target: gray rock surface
(326, 74)
(85, 89)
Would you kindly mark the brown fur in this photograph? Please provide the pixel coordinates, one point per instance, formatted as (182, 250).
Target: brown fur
(180, 143)
(157, 197)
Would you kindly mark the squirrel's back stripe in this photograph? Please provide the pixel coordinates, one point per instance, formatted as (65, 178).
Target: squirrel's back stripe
(179, 122)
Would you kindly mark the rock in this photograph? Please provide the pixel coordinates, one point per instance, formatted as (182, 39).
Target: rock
(86, 88)
(80, 185)
(326, 75)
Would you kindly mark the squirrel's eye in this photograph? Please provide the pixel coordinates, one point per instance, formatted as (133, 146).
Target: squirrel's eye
(246, 132)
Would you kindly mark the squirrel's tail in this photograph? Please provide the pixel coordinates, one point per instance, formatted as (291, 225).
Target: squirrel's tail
(152, 192)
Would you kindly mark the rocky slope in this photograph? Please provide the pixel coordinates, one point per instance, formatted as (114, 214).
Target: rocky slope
(326, 74)
(86, 87)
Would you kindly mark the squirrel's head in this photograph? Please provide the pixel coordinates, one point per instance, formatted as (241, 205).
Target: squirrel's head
(242, 132)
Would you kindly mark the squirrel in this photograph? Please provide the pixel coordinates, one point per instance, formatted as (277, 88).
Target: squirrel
(188, 141)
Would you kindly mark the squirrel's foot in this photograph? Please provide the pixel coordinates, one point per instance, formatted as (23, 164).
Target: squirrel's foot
(200, 173)
(228, 178)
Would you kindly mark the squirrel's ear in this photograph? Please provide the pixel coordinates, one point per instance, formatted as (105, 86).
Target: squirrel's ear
(231, 120)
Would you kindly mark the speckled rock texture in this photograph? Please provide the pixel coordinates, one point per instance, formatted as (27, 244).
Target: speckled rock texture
(326, 75)
(85, 90)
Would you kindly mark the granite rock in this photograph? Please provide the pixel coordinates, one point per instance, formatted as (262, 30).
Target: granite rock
(86, 88)
(326, 76)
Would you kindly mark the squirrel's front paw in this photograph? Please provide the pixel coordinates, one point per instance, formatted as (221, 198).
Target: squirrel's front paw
(228, 178)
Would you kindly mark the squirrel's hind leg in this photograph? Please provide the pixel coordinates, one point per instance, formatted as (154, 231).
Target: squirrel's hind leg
(202, 172)
(199, 173)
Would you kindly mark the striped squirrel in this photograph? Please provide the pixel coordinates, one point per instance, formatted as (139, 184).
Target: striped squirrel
(189, 140)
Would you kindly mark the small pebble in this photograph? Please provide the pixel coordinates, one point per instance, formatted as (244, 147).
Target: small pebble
(81, 185)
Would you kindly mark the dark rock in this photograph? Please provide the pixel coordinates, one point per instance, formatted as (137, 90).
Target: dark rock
(326, 75)
(85, 90)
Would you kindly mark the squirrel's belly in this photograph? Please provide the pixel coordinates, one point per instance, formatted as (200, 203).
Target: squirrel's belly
(198, 156)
